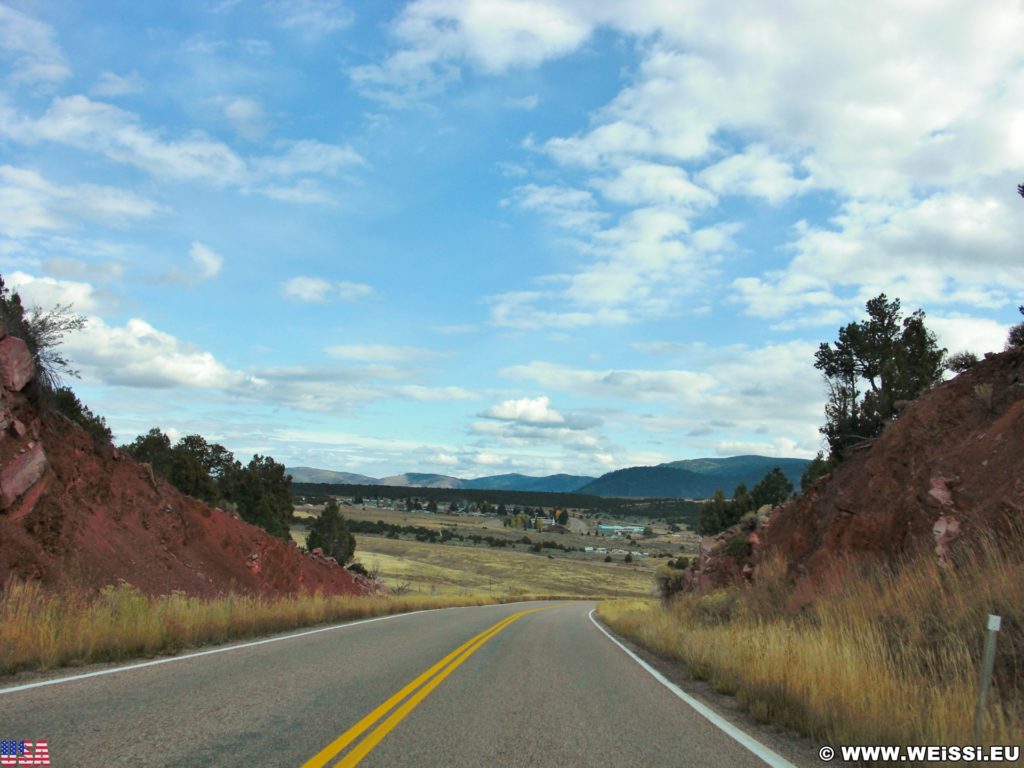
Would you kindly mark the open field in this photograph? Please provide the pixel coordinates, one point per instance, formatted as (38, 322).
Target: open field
(883, 657)
(442, 569)
(665, 543)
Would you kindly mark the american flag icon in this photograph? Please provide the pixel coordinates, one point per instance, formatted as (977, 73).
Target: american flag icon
(22, 752)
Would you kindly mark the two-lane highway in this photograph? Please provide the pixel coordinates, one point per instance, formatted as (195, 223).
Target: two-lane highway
(527, 684)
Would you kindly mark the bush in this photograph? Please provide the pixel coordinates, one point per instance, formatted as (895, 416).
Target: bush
(628, 558)
(959, 362)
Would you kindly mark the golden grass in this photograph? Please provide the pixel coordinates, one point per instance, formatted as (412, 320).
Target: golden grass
(443, 569)
(885, 657)
(40, 629)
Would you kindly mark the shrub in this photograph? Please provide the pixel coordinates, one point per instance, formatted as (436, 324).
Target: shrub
(959, 362)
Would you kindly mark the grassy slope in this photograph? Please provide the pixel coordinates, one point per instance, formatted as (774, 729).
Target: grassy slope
(886, 657)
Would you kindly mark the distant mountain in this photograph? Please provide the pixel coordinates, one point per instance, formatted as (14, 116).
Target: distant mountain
(686, 479)
(692, 478)
(517, 482)
(312, 475)
(743, 466)
(421, 480)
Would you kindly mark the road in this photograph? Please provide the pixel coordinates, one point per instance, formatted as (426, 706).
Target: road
(544, 688)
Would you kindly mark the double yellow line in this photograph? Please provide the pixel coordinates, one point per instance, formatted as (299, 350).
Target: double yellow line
(416, 691)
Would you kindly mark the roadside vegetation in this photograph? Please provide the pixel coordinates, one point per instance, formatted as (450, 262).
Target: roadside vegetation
(884, 656)
(42, 629)
(878, 653)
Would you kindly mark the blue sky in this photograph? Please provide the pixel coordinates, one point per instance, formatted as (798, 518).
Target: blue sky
(478, 237)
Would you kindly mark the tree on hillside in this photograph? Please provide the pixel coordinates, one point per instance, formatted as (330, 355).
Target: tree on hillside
(42, 331)
(153, 448)
(331, 534)
(716, 515)
(876, 365)
(815, 468)
(741, 500)
(774, 488)
(69, 405)
(563, 517)
(262, 493)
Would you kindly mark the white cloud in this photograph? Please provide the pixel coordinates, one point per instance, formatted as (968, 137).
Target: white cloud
(30, 203)
(47, 292)
(117, 134)
(970, 334)
(208, 263)
(642, 184)
(31, 48)
(536, 410)
(308, 289)
(755, 172)
(493, 36)
(569, 208)
(316, 289)
(895, 247)
(349, 291)
(139, 355)
(247, 117)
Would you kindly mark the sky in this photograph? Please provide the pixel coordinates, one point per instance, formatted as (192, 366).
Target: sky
(483, 236)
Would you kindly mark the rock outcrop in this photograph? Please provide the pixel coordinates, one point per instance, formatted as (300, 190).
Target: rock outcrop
(949, 468)
(77, 513)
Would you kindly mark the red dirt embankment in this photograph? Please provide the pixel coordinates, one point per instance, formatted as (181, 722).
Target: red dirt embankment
(76, 513)
(949, 468)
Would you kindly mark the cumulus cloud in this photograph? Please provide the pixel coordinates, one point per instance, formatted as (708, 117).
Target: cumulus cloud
(138, 355)
(492, 36)
(535, 410)
(49, 292)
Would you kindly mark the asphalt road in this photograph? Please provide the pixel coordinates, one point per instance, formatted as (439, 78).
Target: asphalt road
(546, 689)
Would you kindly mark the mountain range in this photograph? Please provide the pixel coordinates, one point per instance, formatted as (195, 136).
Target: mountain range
(685, 479)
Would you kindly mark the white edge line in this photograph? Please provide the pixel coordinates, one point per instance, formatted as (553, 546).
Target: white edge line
(760, 750)
(224, 649)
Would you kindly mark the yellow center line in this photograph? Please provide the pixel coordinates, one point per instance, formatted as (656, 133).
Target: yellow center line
(328, 753)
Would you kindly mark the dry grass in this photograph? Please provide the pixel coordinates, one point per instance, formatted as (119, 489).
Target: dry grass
(44, 630)
(442, 569)
(886, 657)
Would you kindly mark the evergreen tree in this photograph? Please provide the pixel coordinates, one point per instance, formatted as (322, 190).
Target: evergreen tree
(875, 366)
(773, 489)
(331, 534)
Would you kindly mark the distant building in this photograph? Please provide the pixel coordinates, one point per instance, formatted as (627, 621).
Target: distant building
(619, 530)
(555, 528)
